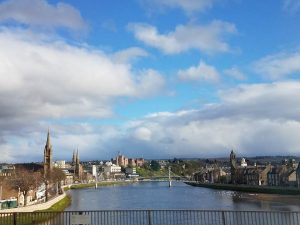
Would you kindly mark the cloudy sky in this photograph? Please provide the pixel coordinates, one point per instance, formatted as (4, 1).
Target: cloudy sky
(149, 78)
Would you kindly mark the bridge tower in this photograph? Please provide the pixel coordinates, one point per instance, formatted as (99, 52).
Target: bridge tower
(170, 182)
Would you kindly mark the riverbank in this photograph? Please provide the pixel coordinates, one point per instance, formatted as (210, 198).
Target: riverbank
(99, 184)
(249, 189)
(42, 206)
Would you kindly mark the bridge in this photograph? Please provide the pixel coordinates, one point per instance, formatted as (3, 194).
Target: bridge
(163, 178)
(152, 217)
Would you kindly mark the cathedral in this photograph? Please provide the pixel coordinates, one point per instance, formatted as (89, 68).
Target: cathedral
(77, 169)
(77, 166)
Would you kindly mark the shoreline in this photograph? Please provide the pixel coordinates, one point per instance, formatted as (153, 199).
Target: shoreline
(249, 189)
(92, 185)
(56, 200)
(265, 194)
(37, 207)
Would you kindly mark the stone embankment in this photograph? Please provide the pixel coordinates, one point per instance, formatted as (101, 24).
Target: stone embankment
(36, 207)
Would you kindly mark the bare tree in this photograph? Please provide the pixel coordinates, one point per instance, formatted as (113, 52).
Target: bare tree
(24, 181)
(56, 177)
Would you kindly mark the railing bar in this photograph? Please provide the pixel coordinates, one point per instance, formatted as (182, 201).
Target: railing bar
(294, 218)
(263, 218)
(284, 219)
(247, 215)
(272, 218)
(99, 217)
(160, 217)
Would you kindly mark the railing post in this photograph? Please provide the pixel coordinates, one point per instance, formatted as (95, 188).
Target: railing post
(149, 217)
(15, 218)
(223, 218)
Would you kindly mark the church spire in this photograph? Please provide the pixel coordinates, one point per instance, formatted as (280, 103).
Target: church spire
(77, 157)
(73, 158)
(48, 156)
(48, 142)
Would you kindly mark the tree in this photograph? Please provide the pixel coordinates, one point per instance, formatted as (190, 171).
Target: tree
(154, 165)
(24, 181)
(56, 176)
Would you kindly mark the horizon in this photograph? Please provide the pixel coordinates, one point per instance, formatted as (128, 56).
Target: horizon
(155, 78)
(179, 158)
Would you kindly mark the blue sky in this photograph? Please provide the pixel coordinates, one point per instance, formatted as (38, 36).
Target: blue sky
(149, 78)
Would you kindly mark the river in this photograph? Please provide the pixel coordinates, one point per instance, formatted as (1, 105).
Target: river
(157, 195)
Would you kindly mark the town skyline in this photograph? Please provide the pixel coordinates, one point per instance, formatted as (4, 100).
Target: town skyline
(149, 78)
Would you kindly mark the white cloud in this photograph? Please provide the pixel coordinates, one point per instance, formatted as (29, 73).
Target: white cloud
(291, 5)
(40, 80)
(143, 133)
(129, 54)
(202, 72)
(207, 38)
(40, 13)
(235, 73)
(149, 83)
(278, 65)
(260, 119)
(189, 6)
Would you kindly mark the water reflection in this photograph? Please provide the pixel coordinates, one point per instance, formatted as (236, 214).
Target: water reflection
(157, 195)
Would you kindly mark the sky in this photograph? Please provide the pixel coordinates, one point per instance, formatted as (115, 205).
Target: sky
(149, 78)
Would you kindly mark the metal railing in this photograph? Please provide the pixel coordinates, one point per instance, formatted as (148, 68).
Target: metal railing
(152, 217)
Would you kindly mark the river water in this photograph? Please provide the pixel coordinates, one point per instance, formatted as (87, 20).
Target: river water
(157, 195)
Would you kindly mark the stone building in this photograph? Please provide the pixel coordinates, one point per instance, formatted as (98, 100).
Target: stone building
(123, 161)
(284, 174)
(248, 175)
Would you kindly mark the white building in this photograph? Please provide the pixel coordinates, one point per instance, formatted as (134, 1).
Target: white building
(244, 163)
(94, 170)
(112, 169)
(60, 164)
(130, 170)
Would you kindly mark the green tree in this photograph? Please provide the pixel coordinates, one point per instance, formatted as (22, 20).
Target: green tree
(154, 165)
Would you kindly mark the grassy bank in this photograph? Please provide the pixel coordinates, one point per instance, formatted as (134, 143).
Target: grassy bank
(59, 206)
(251, 189)
(40, 215)
(146, 173)
(91, 185)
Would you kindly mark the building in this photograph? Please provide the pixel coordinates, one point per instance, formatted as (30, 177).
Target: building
(276, 177)
(60, 164)
(132, 162)
(7, 170)
(284, 174)
(139, 162)
(248, 175)
(48, 156)
(131, 173)
(298, 175)
(112, 169)
(94, 170)
(256, 175)
(123, 161)
(213, 174)
(78, 169)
